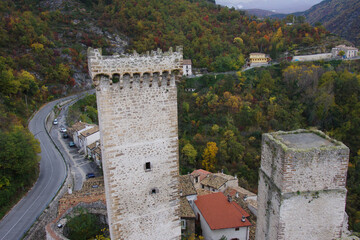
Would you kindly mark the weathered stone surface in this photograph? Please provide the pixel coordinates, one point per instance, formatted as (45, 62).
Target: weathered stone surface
(302, 190)
(138, 124)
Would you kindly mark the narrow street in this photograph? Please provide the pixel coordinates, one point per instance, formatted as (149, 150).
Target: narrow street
(79, 165)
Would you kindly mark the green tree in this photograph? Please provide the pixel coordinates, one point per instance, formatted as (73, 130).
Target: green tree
(189, 153)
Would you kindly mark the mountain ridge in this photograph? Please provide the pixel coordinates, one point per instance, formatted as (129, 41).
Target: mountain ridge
(338, 16)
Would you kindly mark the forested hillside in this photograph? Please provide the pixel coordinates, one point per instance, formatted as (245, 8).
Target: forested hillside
(341, 17)
(214, 37)
(221, 122)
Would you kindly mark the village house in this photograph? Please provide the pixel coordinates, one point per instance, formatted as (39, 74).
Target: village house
(93, 153)
(88, 137)
(206, 183)
(218, 182)
(248, 198)
(219, 217)
(258, 59)
(97, 156)
(76, 129)
(187, 71)
(197, 176)
(187, 198)
(349, 52)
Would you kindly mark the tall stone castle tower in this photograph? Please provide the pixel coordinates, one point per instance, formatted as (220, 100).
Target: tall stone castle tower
(301, 192)
(137, 106)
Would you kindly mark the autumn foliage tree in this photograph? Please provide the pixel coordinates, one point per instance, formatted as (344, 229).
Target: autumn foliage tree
(209, 156)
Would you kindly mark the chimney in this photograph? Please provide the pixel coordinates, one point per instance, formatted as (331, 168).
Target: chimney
(229, 198)
(235, 175)
(243, 219)
(236, 194)
(222, 171)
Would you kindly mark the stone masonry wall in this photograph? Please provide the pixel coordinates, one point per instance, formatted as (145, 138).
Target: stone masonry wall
(302, 190)
(138, 124)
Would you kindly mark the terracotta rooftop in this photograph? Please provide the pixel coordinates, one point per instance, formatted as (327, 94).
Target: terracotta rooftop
(214, 181)
(89, 131)
(227, 177)
(93, 145)
(98, 150)
(187, 62)
(79, 126)
(200, 172)
(185, 209)
(219, 213)
(242, 192)
(186, 186)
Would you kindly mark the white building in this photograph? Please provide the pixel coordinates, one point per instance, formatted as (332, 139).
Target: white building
(76, 129)
(187, 67)
(219, 216)
(350, 52)
(88, 137)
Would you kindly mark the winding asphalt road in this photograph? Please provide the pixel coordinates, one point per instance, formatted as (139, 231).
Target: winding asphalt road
(52, 175)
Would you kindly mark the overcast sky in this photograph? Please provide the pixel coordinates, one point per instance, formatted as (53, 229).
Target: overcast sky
(279, 6)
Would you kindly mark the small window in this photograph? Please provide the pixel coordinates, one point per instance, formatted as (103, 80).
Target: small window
(154, 191)
(196, 179)
(237, 229)
(202, 186)
(147, 166)
(183, 224)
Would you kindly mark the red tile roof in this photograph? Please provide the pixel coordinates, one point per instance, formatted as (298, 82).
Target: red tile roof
(200, 172)
(219, 213)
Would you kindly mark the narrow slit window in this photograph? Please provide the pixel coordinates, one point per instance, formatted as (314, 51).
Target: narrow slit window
(147, 166)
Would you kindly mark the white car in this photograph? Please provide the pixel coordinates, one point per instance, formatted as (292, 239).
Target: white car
(55, 122)
(63, 130)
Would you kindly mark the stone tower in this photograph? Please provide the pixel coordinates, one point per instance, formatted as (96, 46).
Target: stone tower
(137, 106)
(301, 194)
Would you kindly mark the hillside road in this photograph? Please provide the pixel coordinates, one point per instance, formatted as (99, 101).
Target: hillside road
(52, 174)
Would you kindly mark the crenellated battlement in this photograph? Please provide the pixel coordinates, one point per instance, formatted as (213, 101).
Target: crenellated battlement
(129, 67)
(127, 81)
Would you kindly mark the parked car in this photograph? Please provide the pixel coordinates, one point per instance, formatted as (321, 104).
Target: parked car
(63, 130)
(90, 175)
(55, 122)
(71, 144)
(65, 135)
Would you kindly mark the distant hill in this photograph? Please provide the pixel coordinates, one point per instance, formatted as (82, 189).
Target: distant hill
(341, 17)
(259, 12)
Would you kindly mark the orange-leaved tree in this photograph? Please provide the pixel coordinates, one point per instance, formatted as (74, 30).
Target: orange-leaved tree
(209, 156)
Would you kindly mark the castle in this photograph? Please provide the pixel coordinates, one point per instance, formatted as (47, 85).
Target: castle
(137, 105)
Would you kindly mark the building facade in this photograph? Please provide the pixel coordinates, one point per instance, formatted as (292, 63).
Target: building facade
(301, 193)
(219, 217)
(187, 69)
(350, 52)
(137, 105)
(256, 58)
